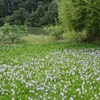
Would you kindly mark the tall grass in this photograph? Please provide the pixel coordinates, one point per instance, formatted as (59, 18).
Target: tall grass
(38, 39)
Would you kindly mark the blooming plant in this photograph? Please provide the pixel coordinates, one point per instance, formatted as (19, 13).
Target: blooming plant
(50, 72)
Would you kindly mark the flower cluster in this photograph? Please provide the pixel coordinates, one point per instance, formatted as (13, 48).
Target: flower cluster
(69, 74)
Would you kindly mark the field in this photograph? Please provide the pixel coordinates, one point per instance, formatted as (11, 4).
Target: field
(58, 71)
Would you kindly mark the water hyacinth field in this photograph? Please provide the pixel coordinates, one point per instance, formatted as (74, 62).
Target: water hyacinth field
(58, 71)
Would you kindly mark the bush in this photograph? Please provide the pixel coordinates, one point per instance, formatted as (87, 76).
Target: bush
(11, 33)
(73, 36)
(55, 31)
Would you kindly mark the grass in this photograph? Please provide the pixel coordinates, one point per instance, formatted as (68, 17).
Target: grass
(38, 39)
(58, 71)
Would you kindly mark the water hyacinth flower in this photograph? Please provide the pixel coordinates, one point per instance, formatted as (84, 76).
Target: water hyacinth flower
(71, 98)
(78, 90)
(1, 70)
(56, 74)
(61, 93)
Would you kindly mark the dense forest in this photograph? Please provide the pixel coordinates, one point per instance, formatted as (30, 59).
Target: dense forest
(34, 13)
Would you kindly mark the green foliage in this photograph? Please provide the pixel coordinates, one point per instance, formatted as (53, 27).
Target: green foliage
(30, 12)
(58, 71)
(43, 15)
(18, 17)
(51, 14)
(34, 18)
(55, 31)
(79, 15)
(72, 14)
(41, 11)
(3, 10)
(29, 5)
(1, 21)
(11, 33)
(73, 36)
(38, 39)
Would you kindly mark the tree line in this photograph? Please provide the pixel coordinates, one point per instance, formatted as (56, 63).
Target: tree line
(34, 13)
(74, 19)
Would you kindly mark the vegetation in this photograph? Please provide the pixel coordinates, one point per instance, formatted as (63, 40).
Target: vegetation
(35, 13)
(78, 19)
(38, 39)
(11, 33)
(41, 69)
(55, 31)
(50, 71)
(37, 31)
(80, 15)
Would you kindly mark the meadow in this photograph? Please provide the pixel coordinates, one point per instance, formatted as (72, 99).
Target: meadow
(57, 71)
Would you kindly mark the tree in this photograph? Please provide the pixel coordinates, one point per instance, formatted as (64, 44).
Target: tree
(22, 11)
(35, 17)
(11, 33)
(18, 17)
(81, 15)
(1, 21)
(32, 20)
(30, 5)
(3, 6)
(51, 14)
(41, 11)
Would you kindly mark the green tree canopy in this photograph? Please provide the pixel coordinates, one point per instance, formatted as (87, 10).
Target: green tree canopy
(18, 17)
(79, 15)
(22, 11)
